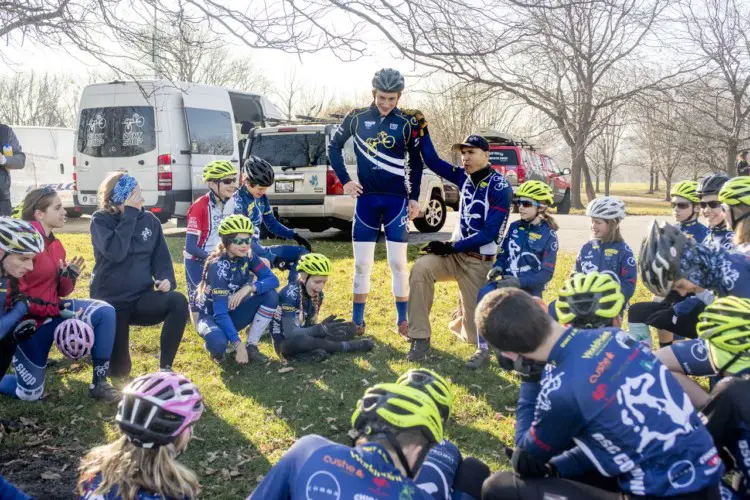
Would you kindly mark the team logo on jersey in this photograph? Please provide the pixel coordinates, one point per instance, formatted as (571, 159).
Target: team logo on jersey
(609, 252)
(699, 351)
(323, 486)
(369, 124)
(146, 233)
(388, 141)
(394, 126)
(550, 384)
(681, 474)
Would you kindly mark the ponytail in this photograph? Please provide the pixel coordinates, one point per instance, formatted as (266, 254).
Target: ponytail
(218, 252)
(551, 222)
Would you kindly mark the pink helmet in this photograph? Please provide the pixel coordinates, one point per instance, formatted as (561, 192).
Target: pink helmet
(74, 338)
(156, 408)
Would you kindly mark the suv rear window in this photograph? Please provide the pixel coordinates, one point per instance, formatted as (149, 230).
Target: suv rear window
(117, 131)
(291, 150)
(210, 131)
(503, 157)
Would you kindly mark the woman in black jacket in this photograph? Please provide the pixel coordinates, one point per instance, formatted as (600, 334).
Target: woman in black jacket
(134, 271)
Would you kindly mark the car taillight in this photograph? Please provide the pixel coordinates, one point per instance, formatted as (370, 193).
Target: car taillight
(164, 172)
(74, 162)
(333, 184)
(75, 180)
(520, 174)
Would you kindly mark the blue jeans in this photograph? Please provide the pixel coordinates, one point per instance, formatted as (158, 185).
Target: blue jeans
(30, 358)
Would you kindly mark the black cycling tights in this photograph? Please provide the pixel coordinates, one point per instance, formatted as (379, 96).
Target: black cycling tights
(685, 325)
(508, 486)
(150, 309)
(300, 344)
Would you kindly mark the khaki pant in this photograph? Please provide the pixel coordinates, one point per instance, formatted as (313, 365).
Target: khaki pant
(469, 272)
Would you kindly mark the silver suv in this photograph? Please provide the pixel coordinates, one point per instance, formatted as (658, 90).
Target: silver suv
(307, 193)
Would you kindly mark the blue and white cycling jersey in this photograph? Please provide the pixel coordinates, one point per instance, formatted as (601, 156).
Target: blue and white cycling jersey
(381, 145)
(615, 259)
(113, 493)
(719, 237)
(317, 468)
(626, 413)
(529, 252)
(259, 211)
(694, 229)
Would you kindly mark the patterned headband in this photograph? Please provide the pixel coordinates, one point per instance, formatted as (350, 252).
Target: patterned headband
(123, 189)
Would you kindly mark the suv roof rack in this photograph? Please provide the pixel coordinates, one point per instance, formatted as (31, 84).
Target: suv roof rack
(504, 138)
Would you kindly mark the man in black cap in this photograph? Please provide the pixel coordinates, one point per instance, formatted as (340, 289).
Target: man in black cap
(11, 158)
(483, 208)
(742, 165)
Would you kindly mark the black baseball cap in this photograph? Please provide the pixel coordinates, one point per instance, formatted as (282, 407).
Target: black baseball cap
(473, 141)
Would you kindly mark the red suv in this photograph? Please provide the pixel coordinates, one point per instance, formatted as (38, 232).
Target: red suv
(518, 161)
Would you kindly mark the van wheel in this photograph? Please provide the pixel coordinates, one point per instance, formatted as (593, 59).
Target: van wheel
(434, 216)
(564, 206)
(72, 214)
(163, 218)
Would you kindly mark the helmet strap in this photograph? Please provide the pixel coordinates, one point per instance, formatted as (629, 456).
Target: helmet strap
(3, 274)
(216, 193)
(734, 222)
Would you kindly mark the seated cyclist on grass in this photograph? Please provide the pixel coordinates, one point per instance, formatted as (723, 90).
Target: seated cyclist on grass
(295, 330)
(394, 428)
(608, 394)
(445, 474)
(251, 201)
(236, 290)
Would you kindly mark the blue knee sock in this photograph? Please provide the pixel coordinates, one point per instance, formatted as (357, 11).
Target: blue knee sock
(401, 311)
(358, 313)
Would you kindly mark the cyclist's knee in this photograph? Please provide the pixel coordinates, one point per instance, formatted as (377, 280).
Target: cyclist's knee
(270, 299)
(502, 485)
(470, 476)
(177, 302)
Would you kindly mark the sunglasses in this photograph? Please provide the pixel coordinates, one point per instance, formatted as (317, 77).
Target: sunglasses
(227, 182)
(711, 204)
(681, 205)
(242, 241)
(527, 204)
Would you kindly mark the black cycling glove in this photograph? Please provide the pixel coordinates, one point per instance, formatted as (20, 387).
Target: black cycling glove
(441, 248)
(302, 242)
(24, 330)
(528, 466)
(337, 329)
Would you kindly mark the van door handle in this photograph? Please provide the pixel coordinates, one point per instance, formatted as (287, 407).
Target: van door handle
(141, 162)
(234, 160)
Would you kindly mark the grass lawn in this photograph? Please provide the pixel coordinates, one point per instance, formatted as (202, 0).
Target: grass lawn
(255, 413)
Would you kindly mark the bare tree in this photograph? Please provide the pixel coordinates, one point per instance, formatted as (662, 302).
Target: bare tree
(605, 153)
(716, 108)
(45, 100)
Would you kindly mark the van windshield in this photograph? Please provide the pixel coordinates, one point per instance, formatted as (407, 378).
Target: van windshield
(117, 131)
(291, 150)
(503, 157)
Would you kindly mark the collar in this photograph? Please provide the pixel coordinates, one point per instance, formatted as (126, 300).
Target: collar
(376, 112)
(38, 226)
(376, 450)
(563, 341)
(720, 227)
(689, 223)
(480, 175)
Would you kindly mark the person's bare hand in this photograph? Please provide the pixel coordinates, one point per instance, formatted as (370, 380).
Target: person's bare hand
(240, 356)
(353, 189)
(413, 209)
(237, 297)
(163, 285)
(135, 199)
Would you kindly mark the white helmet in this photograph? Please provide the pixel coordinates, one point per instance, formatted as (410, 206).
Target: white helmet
(20, 237)
(606, 208)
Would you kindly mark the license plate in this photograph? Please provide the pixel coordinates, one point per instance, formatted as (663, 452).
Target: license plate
(284, 186)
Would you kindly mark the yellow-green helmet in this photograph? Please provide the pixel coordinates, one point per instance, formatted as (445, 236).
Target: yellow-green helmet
(736, 191)
(217, 170)
(725, 325)
(589, 300)
(687, 190)
(315, 264)
(236, 224)
(392, 407)
(17, 211)
(536, 190)
(432, 384)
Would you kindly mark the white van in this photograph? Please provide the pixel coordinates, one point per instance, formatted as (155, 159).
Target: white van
(49, 155)
(162, 133)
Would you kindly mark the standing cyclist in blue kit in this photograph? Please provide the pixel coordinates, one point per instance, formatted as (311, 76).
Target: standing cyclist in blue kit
(251, 201)
(387, 190)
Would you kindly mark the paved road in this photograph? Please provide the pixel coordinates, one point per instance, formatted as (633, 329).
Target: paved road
(574, 230)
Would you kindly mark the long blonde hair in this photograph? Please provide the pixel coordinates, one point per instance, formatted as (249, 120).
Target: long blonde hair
(131, 468)
(742, 232)
(220, 250)
(546, 217)
(104, 194)
(613, 232)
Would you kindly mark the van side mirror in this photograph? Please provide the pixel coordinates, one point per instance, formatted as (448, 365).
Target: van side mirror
(566, 171)
(246, 127)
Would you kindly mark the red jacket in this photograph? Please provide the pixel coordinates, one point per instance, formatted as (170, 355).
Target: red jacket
(44, 282)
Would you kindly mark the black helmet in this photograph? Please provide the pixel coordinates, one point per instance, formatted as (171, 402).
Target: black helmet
(659, 260)
(388, 80)
(711, 184)
(258, 171)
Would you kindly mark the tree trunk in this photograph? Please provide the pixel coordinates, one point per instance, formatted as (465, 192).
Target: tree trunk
(597, 184)
(607, 182)
(650, 181)
(656, 182)
(587, 179)
(668, 182)
(575, 178)
(732, 158)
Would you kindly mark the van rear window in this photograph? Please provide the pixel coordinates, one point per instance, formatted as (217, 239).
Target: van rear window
(503, 157)
(291, 150)
(210, 131)
(117, 131)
